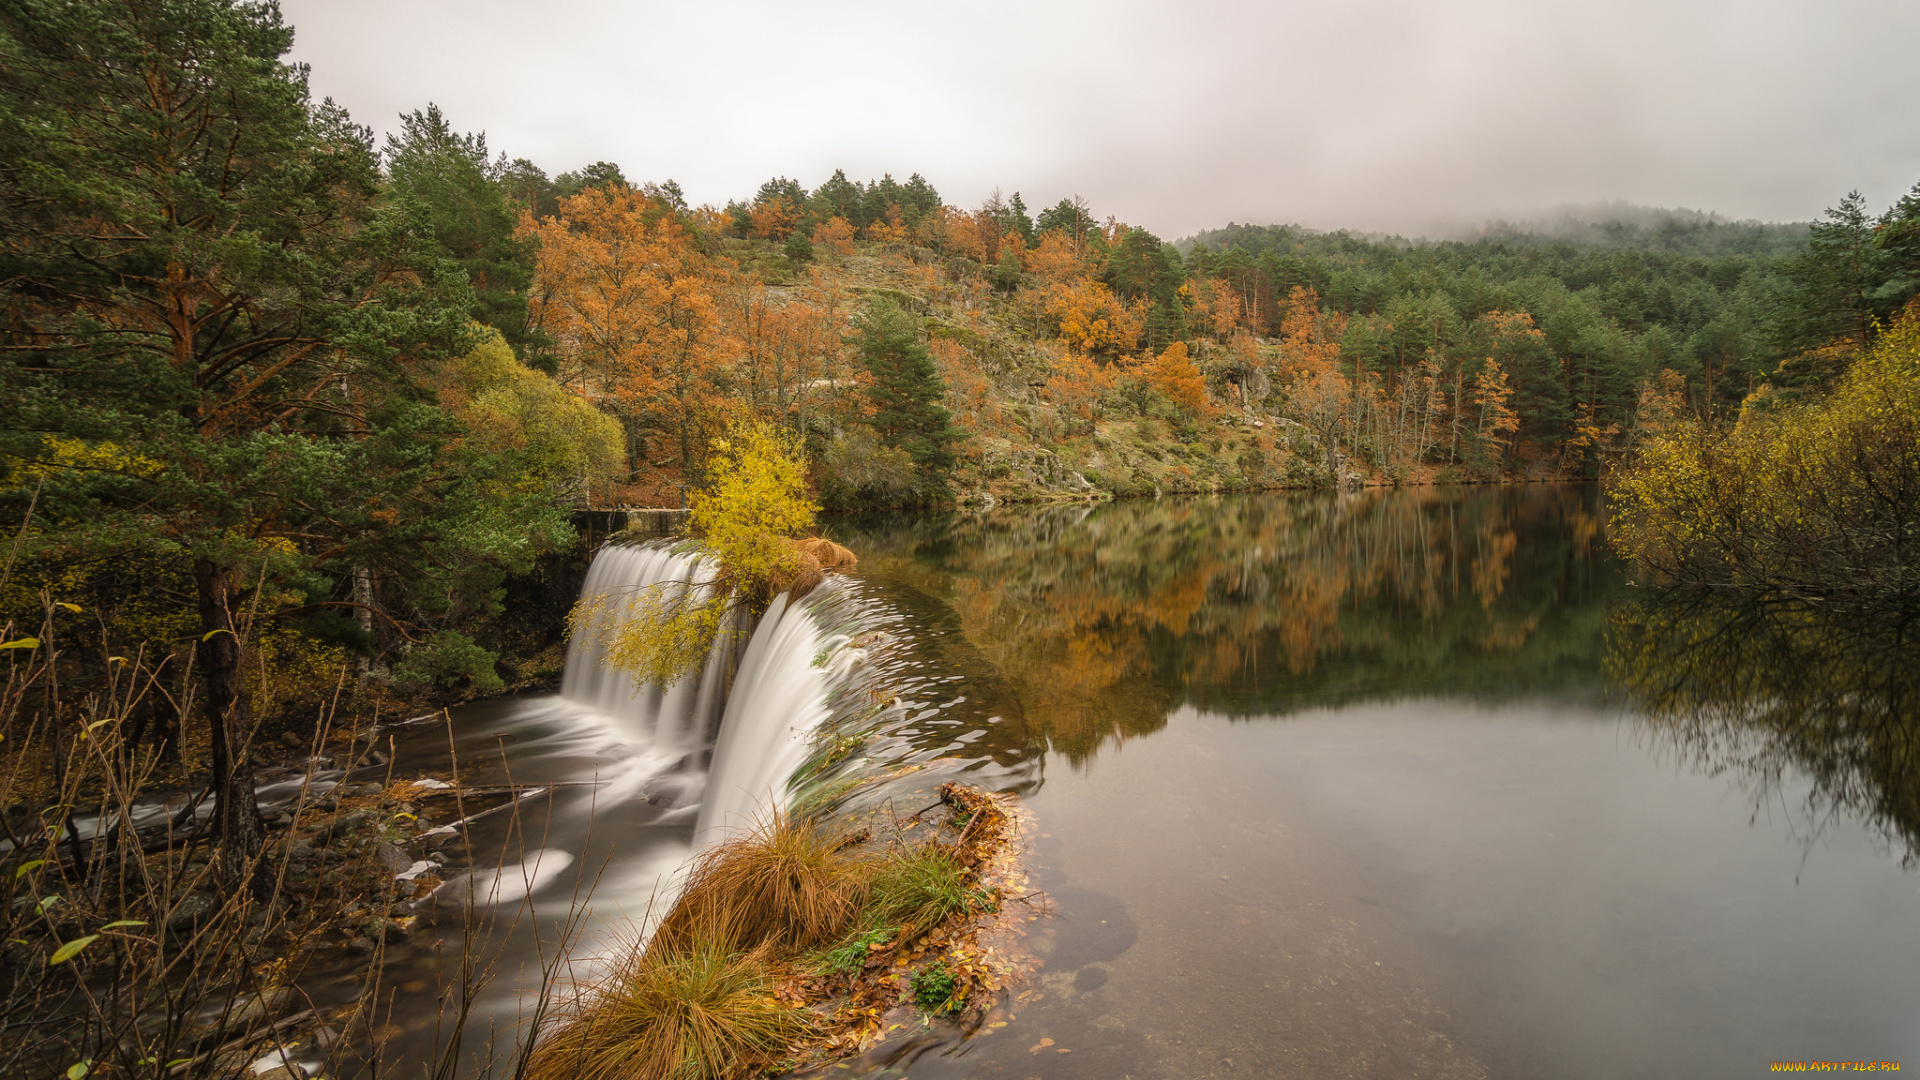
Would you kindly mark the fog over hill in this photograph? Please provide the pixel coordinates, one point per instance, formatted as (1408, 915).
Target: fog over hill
(1380, 115)
(1608, 225)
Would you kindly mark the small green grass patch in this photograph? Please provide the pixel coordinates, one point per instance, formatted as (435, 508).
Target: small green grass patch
(919, 887)
(850, 955)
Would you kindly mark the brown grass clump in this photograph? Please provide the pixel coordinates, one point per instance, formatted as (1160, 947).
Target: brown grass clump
(801, 578)
(787, 884)
(698, 1011)
(829, 555)
(813, 557)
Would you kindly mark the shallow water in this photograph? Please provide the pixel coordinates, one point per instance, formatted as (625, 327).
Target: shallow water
(1387, 784)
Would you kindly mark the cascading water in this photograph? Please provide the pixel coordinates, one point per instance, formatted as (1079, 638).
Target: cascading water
(780, 696)
(757, 732)
(619, 784)
(674, 717)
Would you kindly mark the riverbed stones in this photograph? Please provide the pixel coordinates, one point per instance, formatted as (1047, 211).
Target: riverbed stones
(259, 1009)
(392, 859)
(378, 929)
(345, 826)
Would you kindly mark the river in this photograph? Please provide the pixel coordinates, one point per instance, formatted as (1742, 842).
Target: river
(1382, 784)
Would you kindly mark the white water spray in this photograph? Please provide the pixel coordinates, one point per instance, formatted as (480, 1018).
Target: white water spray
(681, 717)
(758, 732)
(780, 695)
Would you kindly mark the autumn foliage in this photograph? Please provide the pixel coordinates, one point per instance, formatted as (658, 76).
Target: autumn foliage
(1038, 332)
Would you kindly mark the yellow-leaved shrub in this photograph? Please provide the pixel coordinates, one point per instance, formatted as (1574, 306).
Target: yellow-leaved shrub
(755, 504)
(567, 445)
(1820, 497)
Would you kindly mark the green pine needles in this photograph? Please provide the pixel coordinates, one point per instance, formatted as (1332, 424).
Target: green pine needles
(906, 391)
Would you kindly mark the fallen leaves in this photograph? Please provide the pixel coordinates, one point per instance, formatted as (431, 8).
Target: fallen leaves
(981, 949)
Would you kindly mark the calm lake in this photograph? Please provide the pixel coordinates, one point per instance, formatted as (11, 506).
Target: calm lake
(1386, 784)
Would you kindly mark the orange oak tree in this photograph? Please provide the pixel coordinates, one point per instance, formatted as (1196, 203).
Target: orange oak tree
(628, 298)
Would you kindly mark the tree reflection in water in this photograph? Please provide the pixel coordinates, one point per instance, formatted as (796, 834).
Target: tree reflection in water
(1102, 620)
(1770, 689)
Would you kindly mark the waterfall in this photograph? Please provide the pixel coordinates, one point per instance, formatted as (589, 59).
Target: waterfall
(729, 738)
(758, 732)
(680, 717)
(780, 695)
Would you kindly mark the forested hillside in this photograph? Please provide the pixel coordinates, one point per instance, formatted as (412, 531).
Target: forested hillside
(931, 353)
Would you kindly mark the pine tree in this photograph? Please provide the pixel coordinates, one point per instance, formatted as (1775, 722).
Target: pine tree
(1897, 239)
(1828, 285)
(1018, 220)
(906, 391)
(220, 334)
(463, 194)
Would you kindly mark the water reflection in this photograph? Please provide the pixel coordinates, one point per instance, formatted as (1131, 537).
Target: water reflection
(1102, 620)
(1385, 814)
(1777, 689)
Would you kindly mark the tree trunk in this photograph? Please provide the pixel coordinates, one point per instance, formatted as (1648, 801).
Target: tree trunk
(363, 615)
(236, 816)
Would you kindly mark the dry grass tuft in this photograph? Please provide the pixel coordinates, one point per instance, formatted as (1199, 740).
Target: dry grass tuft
(787, 884)
(696, 1011)
(814, 557)
(801, 578)
(829, 555)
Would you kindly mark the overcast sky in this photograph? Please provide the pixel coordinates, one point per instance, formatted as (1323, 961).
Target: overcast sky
(1407, 115)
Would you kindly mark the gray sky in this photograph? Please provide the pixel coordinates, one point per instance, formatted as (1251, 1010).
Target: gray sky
(1380, 114)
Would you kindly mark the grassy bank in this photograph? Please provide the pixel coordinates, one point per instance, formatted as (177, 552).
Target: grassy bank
(802, 942)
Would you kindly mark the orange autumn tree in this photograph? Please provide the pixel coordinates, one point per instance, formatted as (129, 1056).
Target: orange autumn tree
(975, 234)
(1090, 319)
(1310, 371)
(1078, 387)
(1482, 422)
(1055, 258)
(891, 231)
(774, 217)
(970, 397)
(1218, 307)
(1495, 421)
(1173, 374)
(834, 236)
(628, 299)
(788, 360)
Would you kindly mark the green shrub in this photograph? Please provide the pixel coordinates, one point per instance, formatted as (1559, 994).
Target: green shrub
(446, 660)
